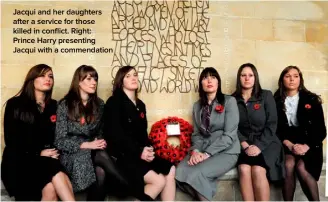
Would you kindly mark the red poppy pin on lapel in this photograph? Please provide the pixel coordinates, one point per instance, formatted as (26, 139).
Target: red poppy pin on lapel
(53, 118)
(308, 106)
(142, 115)
(257, 106)
(82, 120)
(219, 108)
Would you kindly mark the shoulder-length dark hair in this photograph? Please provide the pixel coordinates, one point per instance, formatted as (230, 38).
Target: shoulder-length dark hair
(210, 71)
(76, 109)
(257, 89)
(281, 91)
(118, 80)
(27, 93)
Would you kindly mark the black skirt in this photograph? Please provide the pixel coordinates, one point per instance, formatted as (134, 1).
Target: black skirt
(135, 170)
(141, 167)
(252, 160)
(26, 180)
(313, 158)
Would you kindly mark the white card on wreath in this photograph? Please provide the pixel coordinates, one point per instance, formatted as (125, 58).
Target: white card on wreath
(173, 129)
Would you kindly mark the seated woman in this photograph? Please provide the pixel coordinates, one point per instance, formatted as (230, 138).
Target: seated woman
(301, 128)
(215, 145)
(126, 131)
(262, 155)
(79, 134)
(30, 169)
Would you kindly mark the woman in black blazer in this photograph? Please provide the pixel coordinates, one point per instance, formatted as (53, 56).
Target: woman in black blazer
(302, 129)
(125, 130)
(30, 169)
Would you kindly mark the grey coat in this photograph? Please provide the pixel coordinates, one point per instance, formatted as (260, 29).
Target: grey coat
(223, 129)
(258, 127)
(69, 136)
(222, 143)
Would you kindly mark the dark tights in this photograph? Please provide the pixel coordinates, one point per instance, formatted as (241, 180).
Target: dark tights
(308, 183)
(106, 169)
(97, 191)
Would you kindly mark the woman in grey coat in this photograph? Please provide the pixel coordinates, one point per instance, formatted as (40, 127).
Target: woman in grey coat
(262, 156)
(79, 134)
(215, 145)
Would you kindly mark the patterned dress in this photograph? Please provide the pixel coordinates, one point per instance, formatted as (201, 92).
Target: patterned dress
(69, 136)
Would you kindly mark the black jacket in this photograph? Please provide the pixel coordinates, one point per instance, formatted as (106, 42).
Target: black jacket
(312, 126)
(125, 126)
(125, 131)
(25, 141)
(311, 120)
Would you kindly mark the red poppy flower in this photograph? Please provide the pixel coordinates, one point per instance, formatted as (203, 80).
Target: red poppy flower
(142, 115)
(53, 118)
(82, 120)
(219, 108)
(308, 106)
(257, 106)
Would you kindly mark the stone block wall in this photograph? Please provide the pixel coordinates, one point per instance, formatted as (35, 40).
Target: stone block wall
(272, 35)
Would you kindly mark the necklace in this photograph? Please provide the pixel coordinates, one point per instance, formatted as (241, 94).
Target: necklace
(41, 106)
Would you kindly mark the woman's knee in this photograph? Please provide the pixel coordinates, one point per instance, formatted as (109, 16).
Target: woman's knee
(49, 193)
(100, 171)
(244, 169)
(300, 167)
(153, 178)
(289, 163)
(258, 171)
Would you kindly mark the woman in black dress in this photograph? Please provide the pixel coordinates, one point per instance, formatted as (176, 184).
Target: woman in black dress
(126, 133)
(30, 169)
(301, 128)
(261, 158)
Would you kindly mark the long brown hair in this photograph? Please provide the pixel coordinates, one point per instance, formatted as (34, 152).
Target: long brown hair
(118, 80)
(76, 109)
(281, 91)
(27, 93)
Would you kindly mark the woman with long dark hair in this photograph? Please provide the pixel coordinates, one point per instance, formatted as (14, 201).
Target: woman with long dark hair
(79, 134)
(261, 158)
(301, 128)
(30, 169)
(215, 145)
(125, 130)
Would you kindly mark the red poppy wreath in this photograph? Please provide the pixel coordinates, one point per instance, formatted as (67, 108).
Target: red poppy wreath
(158, 137)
